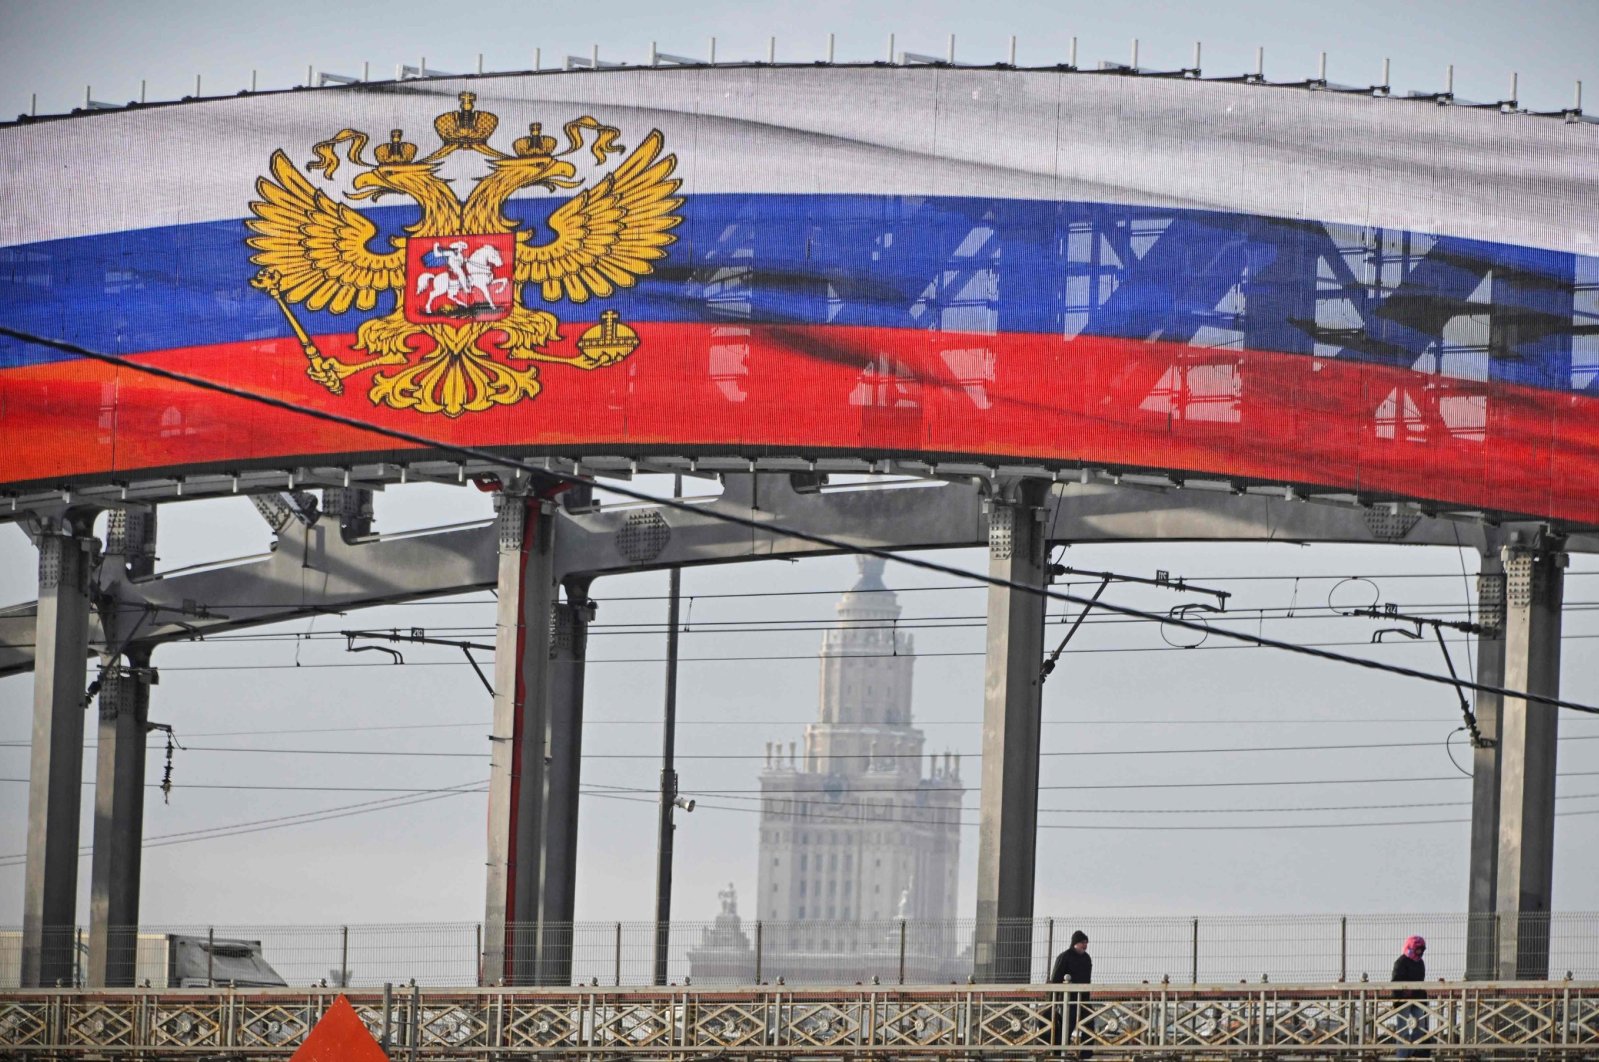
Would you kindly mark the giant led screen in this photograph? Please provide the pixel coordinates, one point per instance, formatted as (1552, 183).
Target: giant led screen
(1383, 296)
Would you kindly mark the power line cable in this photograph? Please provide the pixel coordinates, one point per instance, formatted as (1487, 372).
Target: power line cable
(1213, 811)
(388, 804)
(1230, 784)
(280, 821)
(1213, 721)
(1187, 827)
(1080, 787)
(849, 756)
(921, 655)
(792, 625)
(832, 803)
(767, 527)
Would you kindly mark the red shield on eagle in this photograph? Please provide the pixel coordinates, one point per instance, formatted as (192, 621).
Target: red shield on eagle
(458, 280)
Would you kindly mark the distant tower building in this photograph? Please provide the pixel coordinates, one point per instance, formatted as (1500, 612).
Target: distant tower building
(851, 828)
(859, 828)
(724, 955)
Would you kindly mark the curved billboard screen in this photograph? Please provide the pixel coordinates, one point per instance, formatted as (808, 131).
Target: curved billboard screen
(1387, 297)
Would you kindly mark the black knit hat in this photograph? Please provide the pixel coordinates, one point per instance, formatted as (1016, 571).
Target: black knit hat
(1079, 937)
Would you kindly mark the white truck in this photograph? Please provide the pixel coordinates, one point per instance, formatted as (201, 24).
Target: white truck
(168, 960)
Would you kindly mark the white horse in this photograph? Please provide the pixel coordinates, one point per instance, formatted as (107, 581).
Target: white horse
(480, 267)
(444, 286)
(464, 275)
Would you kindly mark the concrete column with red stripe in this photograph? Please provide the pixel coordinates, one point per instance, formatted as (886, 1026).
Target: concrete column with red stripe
(522, 681)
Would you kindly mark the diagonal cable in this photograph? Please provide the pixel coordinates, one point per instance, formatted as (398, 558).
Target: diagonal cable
(826, 541)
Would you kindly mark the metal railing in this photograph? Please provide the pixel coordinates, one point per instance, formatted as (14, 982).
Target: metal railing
(1522, 1020)
(1203, 950)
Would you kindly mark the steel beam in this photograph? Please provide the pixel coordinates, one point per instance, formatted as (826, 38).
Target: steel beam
(311, 571)
(949, 514)
(558, 874)
(55, 774)
(409, 567)
(118, 821)
(1481, 935)
(526, 593)
(1007, 837)
(1529, 732)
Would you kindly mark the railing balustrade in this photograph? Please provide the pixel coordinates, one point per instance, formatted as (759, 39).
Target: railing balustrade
(1545, 1020)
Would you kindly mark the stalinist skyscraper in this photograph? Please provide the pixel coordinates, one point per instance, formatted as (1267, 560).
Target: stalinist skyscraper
(857, 824)
(860, 828)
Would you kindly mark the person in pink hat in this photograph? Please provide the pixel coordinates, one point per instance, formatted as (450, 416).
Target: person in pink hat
(1410, 966)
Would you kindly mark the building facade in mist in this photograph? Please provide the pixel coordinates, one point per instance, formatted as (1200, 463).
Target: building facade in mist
(860, 826)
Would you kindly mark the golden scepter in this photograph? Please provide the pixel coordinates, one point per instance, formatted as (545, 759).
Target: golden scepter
(321, 369)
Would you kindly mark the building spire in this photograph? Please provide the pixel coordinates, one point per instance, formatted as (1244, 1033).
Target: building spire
(871, 577)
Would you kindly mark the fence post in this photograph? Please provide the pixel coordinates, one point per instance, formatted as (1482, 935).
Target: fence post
(77, 960)
(1343, 948)
(759, 927)
(388, 1014)
(344, 956)
(902, 951)
(619, 954)
(477, 951)
(416, 1019)
(210, 953)
(1049, 948)
(1194, 955)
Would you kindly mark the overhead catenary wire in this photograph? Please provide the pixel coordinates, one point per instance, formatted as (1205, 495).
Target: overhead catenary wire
(1077, 787)
(461, 601)
(300, 818)
(1135, 786)
(1185, 827)
(827, 802)
(759, 627)
(1071, 753)
(369, 807)
(825, 541)
(802, 625)
(1223, 784)
(811, 657)
(1238, 577)
(921, 721)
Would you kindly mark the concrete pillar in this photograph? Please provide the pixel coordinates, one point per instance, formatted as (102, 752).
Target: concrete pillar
(526, 591)
(1528, 733)
(55, 773)
(118, 821)
(1008, 830)
(1481, 936)
(558, 893)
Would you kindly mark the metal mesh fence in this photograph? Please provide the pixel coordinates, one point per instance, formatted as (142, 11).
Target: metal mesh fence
(1202, 950)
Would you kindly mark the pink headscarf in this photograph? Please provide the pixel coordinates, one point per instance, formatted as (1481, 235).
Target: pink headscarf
(1413, 946)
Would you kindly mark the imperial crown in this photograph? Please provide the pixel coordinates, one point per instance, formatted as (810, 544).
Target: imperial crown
(466, 127)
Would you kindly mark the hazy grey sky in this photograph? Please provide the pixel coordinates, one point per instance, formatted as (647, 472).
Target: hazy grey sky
(1105, 709)
(56, 49)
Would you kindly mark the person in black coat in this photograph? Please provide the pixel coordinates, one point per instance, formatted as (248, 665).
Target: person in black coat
(1410, 966)
(1074, 966)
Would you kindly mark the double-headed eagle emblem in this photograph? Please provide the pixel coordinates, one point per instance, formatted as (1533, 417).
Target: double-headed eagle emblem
(460, 273)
